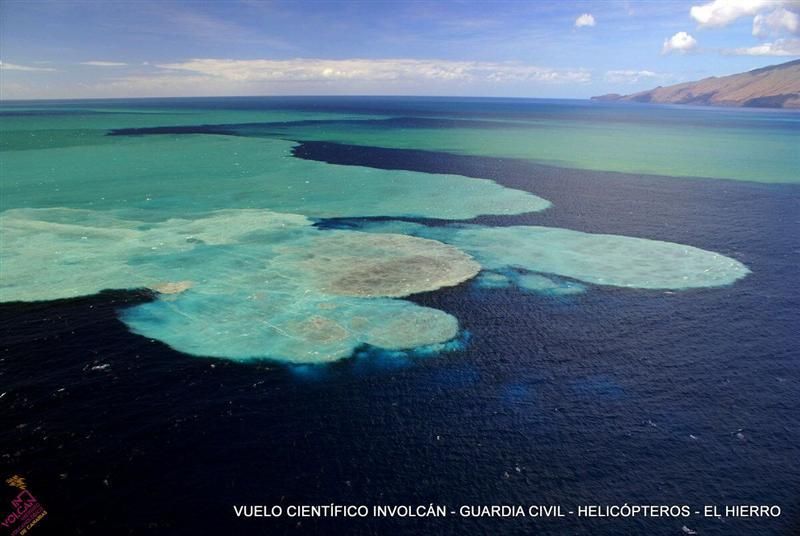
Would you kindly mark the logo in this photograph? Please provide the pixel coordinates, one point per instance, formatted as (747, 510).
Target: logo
(26, 510)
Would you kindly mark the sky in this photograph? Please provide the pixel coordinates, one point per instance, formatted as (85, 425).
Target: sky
(556, 49)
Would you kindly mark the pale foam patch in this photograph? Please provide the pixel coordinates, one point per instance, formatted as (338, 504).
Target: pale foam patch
(240, 284)
(358, 264)
(44, 258)
(172, 287)
(290, 327)
(63, 253)
(593, 258)
(598, 258)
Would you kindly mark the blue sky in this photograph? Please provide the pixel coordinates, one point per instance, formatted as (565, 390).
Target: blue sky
(129, 48)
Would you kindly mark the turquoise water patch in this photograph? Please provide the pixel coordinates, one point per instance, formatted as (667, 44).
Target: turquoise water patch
(240, 284)
(167, 176)
(739, 144)
(221, 229)
(546, 285)
(372, 358)
(35, 127)
(549, 285)
(289, 328)
(599, 259)
(251, 284)
(714, 151)
(492, 280)
(186, 218)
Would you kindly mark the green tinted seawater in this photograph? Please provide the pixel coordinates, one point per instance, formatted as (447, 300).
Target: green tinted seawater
(222, 226)
(762, 155)
(752, 145)
(68, 126)
(166, 175)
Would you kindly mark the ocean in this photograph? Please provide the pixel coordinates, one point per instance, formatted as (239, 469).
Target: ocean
(209, 303)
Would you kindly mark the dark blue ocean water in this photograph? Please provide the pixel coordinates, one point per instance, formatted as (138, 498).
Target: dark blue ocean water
(610, 397)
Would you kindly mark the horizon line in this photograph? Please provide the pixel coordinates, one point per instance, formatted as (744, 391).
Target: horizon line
(314, 96)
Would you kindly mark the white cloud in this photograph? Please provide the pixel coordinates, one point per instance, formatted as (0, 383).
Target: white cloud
(374, 70)
(680, 42)
(779, 47)
(218, 77)
(14, 67)
(776, 22)
(770, 19)
(166, 85)
(723, 12)
(104, 63)
(625, 76)
(586, 19)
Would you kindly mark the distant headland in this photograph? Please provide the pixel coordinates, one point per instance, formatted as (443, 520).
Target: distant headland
(776, 86)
